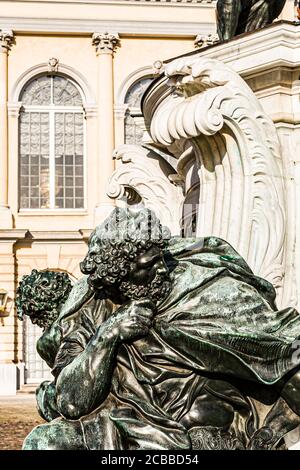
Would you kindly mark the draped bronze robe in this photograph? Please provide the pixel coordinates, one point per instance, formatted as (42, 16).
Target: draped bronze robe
(217, 347)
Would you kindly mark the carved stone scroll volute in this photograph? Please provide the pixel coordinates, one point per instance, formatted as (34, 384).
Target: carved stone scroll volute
(143, 172)
(236, 155)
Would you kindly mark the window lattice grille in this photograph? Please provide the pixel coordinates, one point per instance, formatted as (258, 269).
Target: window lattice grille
(51, 145)
(133, 131)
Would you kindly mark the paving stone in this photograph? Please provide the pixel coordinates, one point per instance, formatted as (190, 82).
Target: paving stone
(18, 416)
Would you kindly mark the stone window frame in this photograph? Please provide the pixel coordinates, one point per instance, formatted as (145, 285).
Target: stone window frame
(122, 107)
(52, 110)
(14, 106)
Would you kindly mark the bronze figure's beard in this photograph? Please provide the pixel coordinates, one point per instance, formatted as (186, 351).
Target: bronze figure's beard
(157, 290)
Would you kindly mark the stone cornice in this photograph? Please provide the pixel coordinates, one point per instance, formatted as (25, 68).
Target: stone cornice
(120, 111)
(12, 235)
(90, 110)
(14, 109)
(64, 235)
(85, 233)
(160, 3)
(273, 46)
(86, 27)
(15, 235)
(187, 2)
(268, 58)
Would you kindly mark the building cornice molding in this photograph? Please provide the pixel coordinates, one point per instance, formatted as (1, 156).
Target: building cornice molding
(87, 27)
(91, 110)
(274, 46)
(13, 109)
(159, 3)
(15, 235)
(85, 233)
(12, 235)
(120, 111)
(36, 235)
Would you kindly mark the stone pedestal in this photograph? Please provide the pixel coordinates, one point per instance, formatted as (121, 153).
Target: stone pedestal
(8, 379)
(12, 378)
(11, 330)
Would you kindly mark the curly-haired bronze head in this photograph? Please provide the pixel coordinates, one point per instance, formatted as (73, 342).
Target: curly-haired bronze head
(125, 257)
(41, 294)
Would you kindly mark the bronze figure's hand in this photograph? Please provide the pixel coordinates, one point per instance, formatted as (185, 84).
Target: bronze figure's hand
(134, 320)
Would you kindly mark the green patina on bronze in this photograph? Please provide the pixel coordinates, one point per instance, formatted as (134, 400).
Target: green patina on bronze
(177, 346)
(235, 17)
(41, 294)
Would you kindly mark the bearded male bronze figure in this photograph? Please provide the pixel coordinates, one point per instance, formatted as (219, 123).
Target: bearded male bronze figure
(193, 353)
(235, 17)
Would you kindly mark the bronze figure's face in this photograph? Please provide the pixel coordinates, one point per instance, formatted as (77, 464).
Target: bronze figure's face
(41, 295)
(126, 259)
(148, 277)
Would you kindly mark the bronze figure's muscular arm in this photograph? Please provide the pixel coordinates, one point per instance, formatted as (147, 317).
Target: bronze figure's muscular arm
(85, 383)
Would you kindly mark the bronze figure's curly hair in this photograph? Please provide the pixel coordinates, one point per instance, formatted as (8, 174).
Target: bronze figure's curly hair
(40, 296)
(116, 243)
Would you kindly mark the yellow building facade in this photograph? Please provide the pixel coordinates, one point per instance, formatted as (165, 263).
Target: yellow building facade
(72, 74)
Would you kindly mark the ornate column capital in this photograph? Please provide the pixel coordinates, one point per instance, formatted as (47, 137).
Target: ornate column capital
(106, 43)
(206, 40)
(6, 39)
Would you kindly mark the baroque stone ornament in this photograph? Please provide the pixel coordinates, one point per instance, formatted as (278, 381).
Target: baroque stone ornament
(169, 343)
(228, 155)
(157, 67)
(206, 40)
(53, 65)
(148, 174)
(235, 17)
(6, 39)
(106, 42)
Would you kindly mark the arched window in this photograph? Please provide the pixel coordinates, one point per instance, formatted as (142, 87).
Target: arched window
(51, 148)
(134, 121)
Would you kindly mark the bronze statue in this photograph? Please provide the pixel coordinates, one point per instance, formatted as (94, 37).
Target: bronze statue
(235, 17)
(47, 297)
(193, 353)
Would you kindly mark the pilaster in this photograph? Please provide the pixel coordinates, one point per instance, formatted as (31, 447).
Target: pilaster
(6, 41)
(106, 45)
